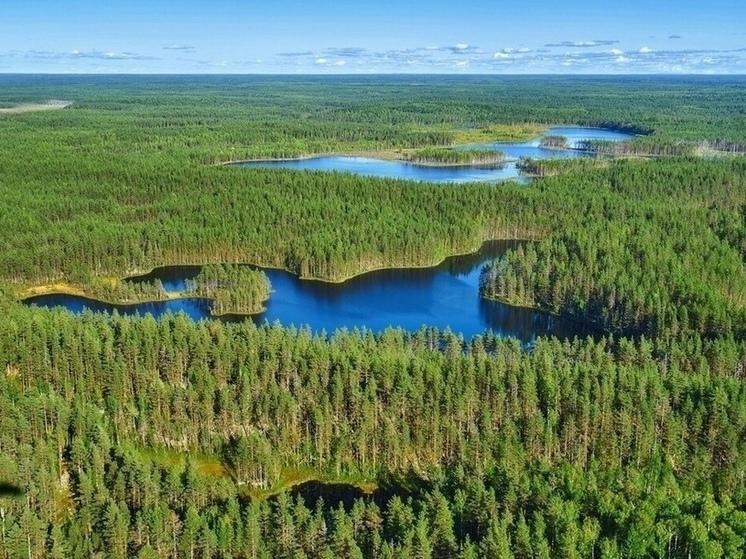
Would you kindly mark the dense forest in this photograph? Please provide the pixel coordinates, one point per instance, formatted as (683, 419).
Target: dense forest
(137, 437)
(167, 439)
(659, 249)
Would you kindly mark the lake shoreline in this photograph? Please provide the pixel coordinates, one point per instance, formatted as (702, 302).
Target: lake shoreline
(79, 291)
(443, 294)
(598, 328)
(399, 154)
(381, 156)
(62, 288)
(481, 168)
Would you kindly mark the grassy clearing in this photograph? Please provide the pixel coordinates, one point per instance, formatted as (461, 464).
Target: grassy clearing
(499, 133)
(50, 288)
(173, 459)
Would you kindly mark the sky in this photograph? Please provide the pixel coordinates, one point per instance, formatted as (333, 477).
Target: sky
(383, 36)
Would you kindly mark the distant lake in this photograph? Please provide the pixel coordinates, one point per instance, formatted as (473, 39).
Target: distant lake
(443, 296)
(403, 170)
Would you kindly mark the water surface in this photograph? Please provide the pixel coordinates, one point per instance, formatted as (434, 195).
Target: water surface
(402, 170)
(443, 296)
(392, 169)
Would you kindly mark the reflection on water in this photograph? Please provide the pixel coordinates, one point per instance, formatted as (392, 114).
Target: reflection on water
(444, 296)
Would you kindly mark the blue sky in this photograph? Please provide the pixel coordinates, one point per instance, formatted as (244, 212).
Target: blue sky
(330, 36)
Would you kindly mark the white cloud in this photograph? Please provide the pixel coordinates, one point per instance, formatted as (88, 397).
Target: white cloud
(578, 56)
(109, 55)
(178, 47)
(511, 53)
(594, 43)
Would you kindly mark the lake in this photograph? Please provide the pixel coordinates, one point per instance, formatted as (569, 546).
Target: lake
(409, 171)
(443, 296)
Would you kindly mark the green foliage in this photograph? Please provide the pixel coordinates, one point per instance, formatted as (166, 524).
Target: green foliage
(234, 289)
(554, 142)
(124, 292)
(658, 260)
(564, 447)
(551, 167)
(131, 437)
(466, 157)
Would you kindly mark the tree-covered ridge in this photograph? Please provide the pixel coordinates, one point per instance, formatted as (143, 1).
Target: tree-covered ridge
(124, 292)
(645, 147)
(324, 225)
(234, 289)
(535, 167)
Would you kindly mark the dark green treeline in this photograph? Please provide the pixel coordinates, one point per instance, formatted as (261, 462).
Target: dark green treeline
(118, 183)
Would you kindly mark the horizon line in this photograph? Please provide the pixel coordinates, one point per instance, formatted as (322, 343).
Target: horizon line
(363, 74)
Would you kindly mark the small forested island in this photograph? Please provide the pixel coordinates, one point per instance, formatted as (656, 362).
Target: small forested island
(233, 289)
(130, 436)
(554, 142)
(455, 157)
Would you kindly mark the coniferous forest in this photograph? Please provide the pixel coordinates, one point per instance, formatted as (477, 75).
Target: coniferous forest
(136, 437)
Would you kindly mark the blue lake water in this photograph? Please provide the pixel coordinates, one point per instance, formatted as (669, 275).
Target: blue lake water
(443, 296)
(403, 170)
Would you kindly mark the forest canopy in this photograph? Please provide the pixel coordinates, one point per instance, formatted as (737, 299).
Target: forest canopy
(136, 437)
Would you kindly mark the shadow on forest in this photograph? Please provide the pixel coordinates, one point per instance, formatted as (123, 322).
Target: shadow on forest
(333, 493)
(10, 490)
